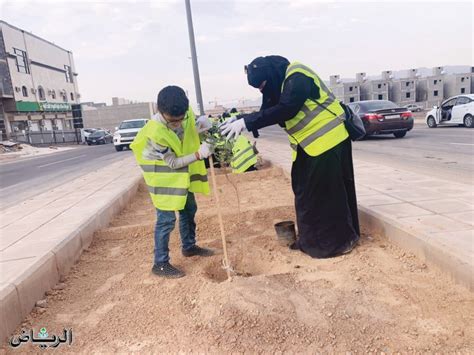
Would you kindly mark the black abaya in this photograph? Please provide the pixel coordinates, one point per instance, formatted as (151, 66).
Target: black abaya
(325, 201)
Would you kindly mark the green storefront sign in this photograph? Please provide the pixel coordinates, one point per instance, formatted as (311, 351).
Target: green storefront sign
(26, 106)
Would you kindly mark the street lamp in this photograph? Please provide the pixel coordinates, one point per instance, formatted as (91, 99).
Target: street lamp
(197, 82)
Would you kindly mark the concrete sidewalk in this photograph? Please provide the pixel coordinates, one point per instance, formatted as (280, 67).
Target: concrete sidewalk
(41, 238)
(430, 217)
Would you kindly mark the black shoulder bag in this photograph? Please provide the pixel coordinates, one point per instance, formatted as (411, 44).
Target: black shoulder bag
(353, 122)
(354, 125)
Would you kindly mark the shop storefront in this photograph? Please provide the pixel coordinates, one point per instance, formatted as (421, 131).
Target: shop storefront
(42, 123)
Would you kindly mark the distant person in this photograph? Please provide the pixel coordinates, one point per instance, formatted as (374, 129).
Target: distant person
(225, 116)
(234, 112)
(171, 156)
(322, 176)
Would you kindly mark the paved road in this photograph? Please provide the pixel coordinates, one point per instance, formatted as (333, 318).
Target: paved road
(444, 152)
(22, 179)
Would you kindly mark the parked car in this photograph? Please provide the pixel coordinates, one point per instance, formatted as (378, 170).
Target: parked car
(86, 132)
(99, 137)
(414, 108)
(126, 132)
(383, 117)
(457, 110)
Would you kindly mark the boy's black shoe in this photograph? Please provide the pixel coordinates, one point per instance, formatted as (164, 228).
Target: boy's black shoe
(196, 250)
(167, 270)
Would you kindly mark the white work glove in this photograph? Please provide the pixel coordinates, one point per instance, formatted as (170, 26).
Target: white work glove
(205, 150)
(228, 121)
(203, 124)
(233, 130)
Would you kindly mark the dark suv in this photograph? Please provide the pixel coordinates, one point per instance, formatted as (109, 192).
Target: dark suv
(383, 117)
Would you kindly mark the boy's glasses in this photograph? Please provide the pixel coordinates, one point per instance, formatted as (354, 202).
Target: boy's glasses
(174, 123)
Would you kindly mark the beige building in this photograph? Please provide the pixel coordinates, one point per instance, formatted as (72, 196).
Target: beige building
(38, 85)
(430, 89)
(109, 117)
(345, 90)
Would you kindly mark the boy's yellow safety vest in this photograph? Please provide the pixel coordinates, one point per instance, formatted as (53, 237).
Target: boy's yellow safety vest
(169, 187)
(314, 128)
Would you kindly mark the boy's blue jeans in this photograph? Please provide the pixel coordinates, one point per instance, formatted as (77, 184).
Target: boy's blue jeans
(165, 223)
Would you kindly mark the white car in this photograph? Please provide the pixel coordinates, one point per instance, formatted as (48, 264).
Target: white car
(457, 110)
(126, 132)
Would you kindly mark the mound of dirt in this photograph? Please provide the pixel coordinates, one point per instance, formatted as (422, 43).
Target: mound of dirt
(376, 299)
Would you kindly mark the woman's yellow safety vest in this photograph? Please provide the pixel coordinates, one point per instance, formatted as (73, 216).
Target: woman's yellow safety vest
(314, 128)
(243, 155)
(169, 187)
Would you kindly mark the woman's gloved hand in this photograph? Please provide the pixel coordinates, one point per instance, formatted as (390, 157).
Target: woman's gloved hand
(233, 130)
(228, 121)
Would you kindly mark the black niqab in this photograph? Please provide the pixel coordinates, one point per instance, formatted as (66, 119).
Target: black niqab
(271, 68)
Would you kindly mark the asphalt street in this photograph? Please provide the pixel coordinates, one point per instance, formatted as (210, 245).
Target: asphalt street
(27, 177)
(444, 152)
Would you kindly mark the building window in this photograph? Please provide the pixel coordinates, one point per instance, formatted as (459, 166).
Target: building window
(407, 84)
(72, 96)
(462, 80)
(379, 86)
(24, 91)
(350, 88)
(351, 99)
(463, 90)
(380, 97)
(435, 93)
(67, 70)
(64, 95)
(21, 61)
(41, 93)
(435, 82)
(408, 95)
(53, 94)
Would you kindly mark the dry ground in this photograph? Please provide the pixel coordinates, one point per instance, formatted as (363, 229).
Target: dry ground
(376, 299)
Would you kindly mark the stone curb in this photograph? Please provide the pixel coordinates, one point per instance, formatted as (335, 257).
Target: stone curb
(18, 298)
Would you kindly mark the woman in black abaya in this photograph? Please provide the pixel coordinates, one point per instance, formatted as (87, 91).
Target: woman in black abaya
(325, 197)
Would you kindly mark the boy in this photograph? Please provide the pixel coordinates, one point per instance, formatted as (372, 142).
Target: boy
(168, 150)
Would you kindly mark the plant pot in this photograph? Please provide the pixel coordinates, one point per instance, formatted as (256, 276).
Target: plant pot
(286, 233)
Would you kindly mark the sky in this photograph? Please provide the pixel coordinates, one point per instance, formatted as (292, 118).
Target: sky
(132, 49)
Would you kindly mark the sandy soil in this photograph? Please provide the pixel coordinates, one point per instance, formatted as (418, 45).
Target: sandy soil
(376, 299)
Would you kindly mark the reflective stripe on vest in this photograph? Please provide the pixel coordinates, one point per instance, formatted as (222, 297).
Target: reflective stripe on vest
(148, 168)
(197, 177)
(172, 191)
(244, 162)
(318, 126)
(309, 116)
(323, 130)
(244, 155)
(241, 153)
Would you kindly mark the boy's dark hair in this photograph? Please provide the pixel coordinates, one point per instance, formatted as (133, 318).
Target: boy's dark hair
(172, 100)
(233, 110)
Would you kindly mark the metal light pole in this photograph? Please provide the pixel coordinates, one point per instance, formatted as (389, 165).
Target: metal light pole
(197, 82)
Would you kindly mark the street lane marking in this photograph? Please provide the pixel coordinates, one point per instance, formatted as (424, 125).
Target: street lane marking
(61, 161)
(462, 143)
